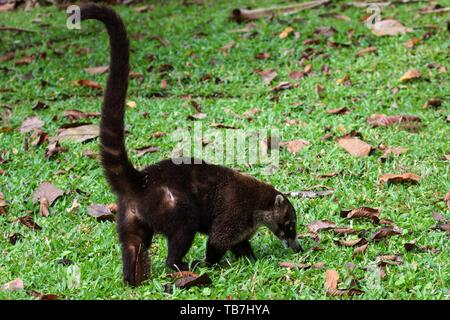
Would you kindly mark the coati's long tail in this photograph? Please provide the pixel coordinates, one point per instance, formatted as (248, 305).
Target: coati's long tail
(121, 174)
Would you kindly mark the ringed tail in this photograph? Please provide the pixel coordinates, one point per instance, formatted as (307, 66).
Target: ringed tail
(120, 172)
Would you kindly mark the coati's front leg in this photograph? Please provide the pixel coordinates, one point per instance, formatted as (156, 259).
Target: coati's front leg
(136, 241)
(179, 243)
(214, 252)
(243, 249)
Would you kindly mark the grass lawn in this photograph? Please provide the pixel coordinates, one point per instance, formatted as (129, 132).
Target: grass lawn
(196, 35)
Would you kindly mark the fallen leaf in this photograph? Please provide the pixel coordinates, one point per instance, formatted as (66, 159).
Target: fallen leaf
(97, 70)
(78, 134)
(385, 232)
(389, 259)
(42, 296)
(262, 56)
(28, 222)
(326, 31)
(301, 266)
(439, 217)
(410, 75)
(48, 191)
(382, 120)
(13, 238)
(344, 230)
(447, 199)
(88, 84)
(344, 80)
(197, 116)
(399, 178)
(191, 281)
(7, 57)
(14, 285)
(296, 74)
(351, 243)
(432, 103)
(284, 86)
(365, 51)
(319, 225)
(54, 148)
(389, 27)
(362, 212)
(24, 60)
(267, 75)
(77, 114)
(3, 204)
(40, 106)
(131, 104)
(360, 249)
(295, 146)
(100, 212)
(286, 32)
(356, 147)
(412, 246)
(411, 43)
(395, 151)
(331, 283)
(144, 150)
(343, 110)
(181, 274)
(31, 123)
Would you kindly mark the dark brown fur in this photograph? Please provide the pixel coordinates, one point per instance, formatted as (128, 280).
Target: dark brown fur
(177, 200)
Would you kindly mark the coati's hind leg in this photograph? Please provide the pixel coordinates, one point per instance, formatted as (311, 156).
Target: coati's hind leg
(243, 249)
(214, 252)
(179, 243)
(136, 240)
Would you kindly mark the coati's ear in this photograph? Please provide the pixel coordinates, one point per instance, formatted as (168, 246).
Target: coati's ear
(279, 199)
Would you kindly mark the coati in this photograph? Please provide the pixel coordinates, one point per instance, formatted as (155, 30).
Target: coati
(177, 200)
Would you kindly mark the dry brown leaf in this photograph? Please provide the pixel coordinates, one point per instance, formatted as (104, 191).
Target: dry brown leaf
(28, 222)
(267, 75)
(295, 146)
(88, 84)
(360, 249)
(389, 27)
(100, 212)
(356, 147)
(286, 32)
(319, 225)
(296, 74)
(24, 60)
(351, 243)
(385, 232)
(144, 150)
(410, 75)
(262, 56)
(432, 103)
(301, 266)
(399, 178)
(7, 57)
(331, 282)
(362, 212)
(97, 70)
(365, 51)
(382, 120)
(191, 281)
(77, 114)
(78, 134)
(14, 285)
(284, 85)
(48, 191)
(181, 274)
(343, 110)
(344, 80)
(31, 123)
(395, 151)
(3, 204)
(411, 43)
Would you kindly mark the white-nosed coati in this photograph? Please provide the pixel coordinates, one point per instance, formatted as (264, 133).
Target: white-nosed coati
(177, 200)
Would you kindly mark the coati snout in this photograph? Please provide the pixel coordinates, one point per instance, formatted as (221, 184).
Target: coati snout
(177, 197)
(283, 223)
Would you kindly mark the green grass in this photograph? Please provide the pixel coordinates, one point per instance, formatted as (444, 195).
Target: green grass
(94, 247)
